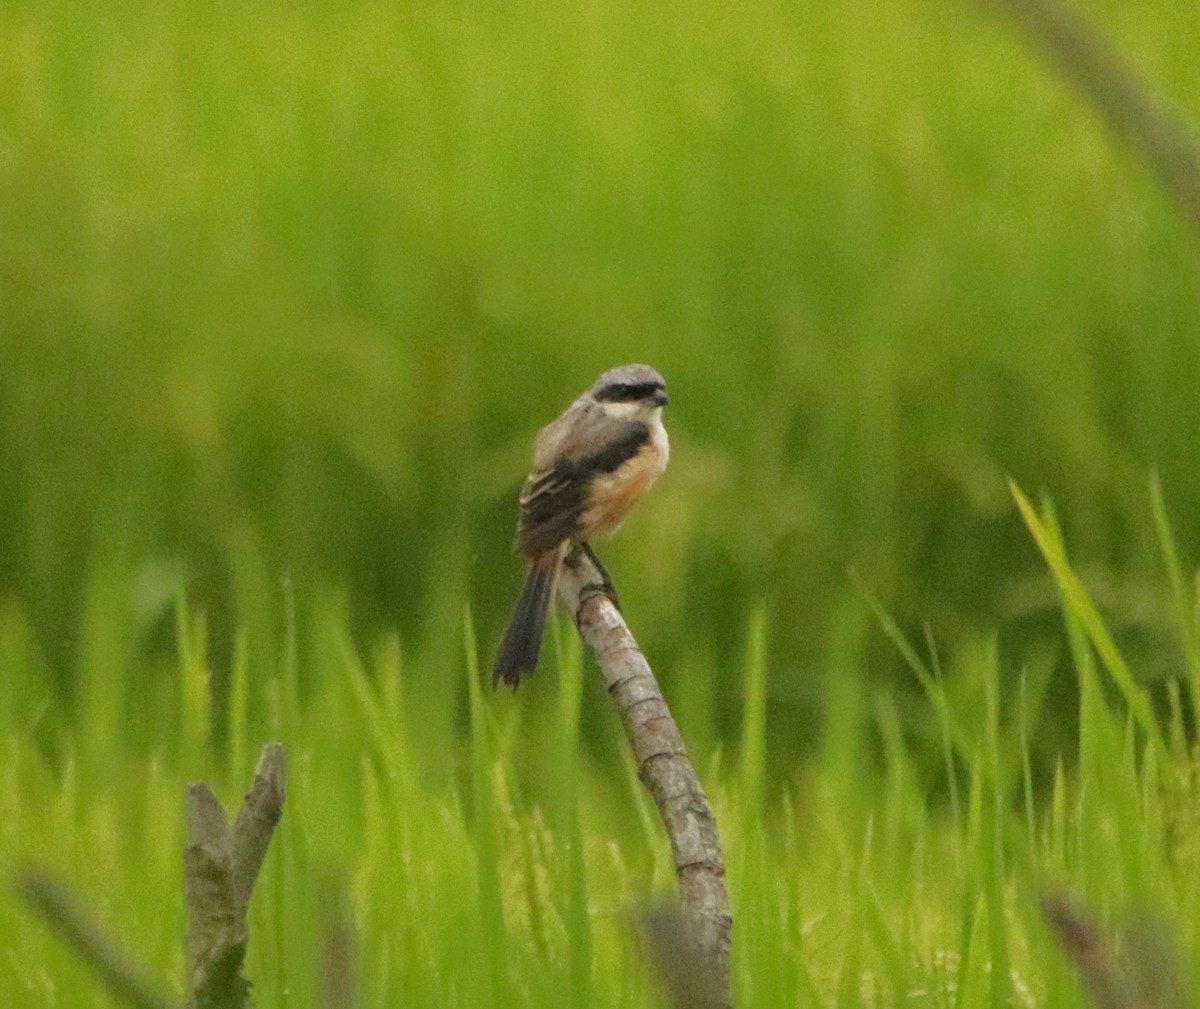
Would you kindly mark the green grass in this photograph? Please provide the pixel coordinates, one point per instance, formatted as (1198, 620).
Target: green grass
(285, 292)
(507, 869)
(289, 290)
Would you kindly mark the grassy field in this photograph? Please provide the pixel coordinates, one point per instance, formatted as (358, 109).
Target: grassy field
(508, 871)
(285, 291)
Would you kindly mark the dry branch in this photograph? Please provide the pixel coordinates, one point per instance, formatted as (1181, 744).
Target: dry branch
(337, 950)
(663, 766)
(1148, 976)
(680, 964)
(220, 869)
(1106, 80)
(64, 915)
(1106, 985)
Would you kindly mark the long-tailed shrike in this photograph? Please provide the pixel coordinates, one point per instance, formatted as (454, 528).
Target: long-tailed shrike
(589, 468)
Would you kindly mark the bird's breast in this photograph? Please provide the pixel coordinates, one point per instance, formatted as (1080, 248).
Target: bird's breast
(613, 494)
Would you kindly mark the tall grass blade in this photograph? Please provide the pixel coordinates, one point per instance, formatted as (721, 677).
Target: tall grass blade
(754, 719)
(994, 854)
(1185, 607)
(569, 651)
(1079, 603)
(236, 765)
(493, 930)
(195, 715)
(953, 738)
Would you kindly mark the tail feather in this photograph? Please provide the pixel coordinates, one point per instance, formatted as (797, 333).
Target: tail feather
(523, 640)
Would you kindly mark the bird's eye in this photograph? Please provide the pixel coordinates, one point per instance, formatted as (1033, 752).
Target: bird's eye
(628, 392)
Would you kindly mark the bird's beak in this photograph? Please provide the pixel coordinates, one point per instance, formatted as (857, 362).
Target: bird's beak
(660, 397)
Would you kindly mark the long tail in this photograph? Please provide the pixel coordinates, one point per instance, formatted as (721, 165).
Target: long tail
(523, 640)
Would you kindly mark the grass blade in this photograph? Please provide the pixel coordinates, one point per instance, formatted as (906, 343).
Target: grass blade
(1077, 601)
(1185, 614)
(487, 842)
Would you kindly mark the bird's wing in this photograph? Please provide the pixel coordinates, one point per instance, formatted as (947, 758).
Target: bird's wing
(581, 445)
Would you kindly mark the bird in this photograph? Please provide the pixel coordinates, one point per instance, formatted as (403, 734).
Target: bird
(590, 466)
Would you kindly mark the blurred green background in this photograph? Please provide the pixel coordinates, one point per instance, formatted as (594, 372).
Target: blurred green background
(286, 290)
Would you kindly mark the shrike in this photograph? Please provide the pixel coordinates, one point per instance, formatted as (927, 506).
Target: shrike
(589, 468)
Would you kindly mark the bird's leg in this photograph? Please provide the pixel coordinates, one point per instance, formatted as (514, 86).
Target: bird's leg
(605, 586)
(571, 560)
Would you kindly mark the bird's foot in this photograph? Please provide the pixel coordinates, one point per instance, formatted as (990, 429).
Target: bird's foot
(605, 586)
